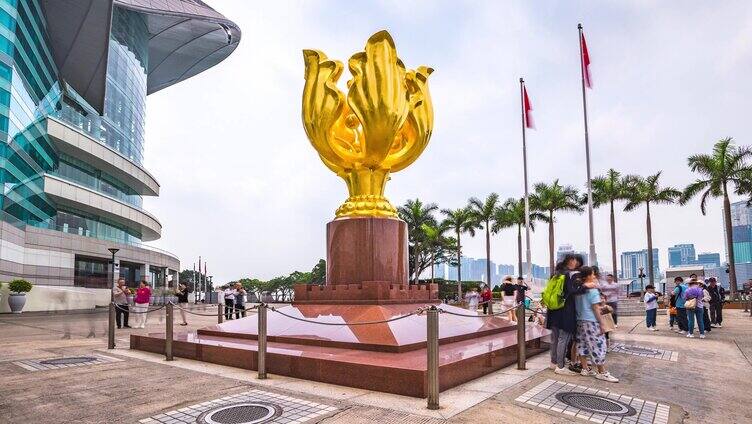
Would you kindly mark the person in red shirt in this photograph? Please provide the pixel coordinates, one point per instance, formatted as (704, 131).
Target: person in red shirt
(486, 297)
(143, 296)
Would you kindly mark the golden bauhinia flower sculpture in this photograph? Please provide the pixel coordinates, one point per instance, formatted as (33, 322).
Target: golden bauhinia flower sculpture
(382, 126)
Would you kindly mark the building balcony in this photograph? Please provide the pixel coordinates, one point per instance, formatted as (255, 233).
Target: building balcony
(69, 194)
(80, 145)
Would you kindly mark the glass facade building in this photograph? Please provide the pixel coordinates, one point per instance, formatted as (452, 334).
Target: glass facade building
(681, 254)
(74, 79)
(36, 94)
(631, 262)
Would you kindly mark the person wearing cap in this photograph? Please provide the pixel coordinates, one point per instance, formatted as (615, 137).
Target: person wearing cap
(717, 295)
(694, 294)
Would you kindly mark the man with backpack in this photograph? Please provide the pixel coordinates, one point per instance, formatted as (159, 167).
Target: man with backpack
(681, 312)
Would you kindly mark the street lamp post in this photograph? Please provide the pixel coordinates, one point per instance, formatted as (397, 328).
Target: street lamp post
(642, 286)
(112, 250)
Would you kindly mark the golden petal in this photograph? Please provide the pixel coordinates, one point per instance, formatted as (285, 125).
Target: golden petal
(378, 96)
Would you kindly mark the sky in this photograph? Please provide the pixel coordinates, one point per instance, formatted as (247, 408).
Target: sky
(242, 187)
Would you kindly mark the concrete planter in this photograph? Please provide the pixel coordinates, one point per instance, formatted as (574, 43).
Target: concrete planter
(16, 301)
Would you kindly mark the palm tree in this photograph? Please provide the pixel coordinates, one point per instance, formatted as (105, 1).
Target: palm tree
(610, 188)
(484, 213)
(648, 191)
(511, 213)
(726, 165)
(551, 199)
(415, 213)
(434, 238)
(460, 221)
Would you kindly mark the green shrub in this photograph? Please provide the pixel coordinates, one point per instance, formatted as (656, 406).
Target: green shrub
(20, 286)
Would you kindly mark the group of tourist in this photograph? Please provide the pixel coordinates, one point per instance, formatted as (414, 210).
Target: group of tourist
(580, 326)
(235, 297)
(691, 302)
(511, 293)
(141, 301)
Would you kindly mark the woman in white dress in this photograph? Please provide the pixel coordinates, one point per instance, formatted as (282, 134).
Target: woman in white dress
(473, 298)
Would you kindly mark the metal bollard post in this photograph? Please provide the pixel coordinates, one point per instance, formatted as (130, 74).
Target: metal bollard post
(168, 332)
(432, 359)
(261, 365)
(111, 328)
(521, 347)
(220, 313)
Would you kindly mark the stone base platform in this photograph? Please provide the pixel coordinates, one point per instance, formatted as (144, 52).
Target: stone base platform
(388, 357)
(367, 292)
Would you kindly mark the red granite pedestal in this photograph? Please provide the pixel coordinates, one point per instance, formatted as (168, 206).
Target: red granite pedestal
(366, 282)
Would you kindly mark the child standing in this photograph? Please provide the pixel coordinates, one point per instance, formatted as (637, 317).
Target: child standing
(651, 307)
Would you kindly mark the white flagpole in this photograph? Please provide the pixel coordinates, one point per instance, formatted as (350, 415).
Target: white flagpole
(592, 260)
(527, 201)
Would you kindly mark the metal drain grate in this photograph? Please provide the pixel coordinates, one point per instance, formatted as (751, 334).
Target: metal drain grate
(638, 350)
(241, 413)
(69, 361)
(595, 404)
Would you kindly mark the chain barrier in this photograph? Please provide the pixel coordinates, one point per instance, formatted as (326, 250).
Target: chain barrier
(138, 312)
(418, 311)
(213, 314)
(502, 312)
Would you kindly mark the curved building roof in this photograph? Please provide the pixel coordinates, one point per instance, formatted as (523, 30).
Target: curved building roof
(186, 37)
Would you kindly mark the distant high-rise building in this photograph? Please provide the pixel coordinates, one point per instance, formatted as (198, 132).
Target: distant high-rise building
(741, 229)
(479, 270)
(505, 270)
(439, 271)
(566, 249)
(563, 251)
(469, 268)
(709, 260)
(631, 262)
(537, 270)
(681, 254)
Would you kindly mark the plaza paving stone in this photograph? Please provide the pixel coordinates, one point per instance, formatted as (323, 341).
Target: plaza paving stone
(708, 381)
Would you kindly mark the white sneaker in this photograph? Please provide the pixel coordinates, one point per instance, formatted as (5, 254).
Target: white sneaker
(616, 325)
(564, 371)
(719, 325)
(606, 376)
(553, 367)
(690, 336)
(588, 372)
(681, 332)
(702, 336)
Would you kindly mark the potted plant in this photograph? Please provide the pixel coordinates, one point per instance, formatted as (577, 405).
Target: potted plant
(17, 298)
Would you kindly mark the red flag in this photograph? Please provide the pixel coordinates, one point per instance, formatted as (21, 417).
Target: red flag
(529, 122)
(585, 62)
